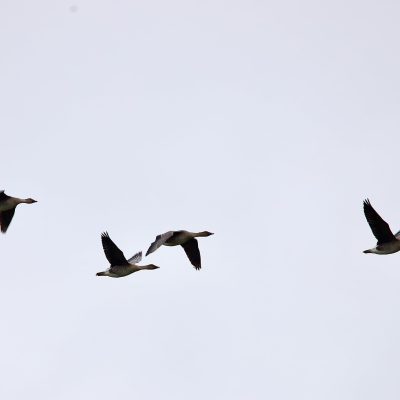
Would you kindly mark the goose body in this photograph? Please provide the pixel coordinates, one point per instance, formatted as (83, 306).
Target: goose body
(7, 209)
(182, 238)
(119, 265)
(387, 242)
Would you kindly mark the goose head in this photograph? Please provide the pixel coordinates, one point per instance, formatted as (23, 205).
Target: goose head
(30, 201)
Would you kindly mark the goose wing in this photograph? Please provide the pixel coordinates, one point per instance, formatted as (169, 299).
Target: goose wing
(136, 258)
(160, 240)
(3, 196)
(114, 255)
(5, 219)
(191, 248)
(379, 227)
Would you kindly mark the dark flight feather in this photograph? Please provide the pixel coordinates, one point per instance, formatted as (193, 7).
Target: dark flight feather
(191, 248)
(6, 218)
(114, 255)
(379, 227)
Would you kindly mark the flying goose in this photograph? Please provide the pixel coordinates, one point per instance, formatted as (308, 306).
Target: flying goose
(7, 208)
(184, 238)
(120, 266)
(387, 242)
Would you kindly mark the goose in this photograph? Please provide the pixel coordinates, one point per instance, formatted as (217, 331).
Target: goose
(120, 266)
(387, 242)
(7, 209)
(184, 238)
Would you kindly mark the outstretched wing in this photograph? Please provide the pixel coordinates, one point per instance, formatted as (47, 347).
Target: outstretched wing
(136, 258)
(114, 255)
(160, 240)
(379, 227)
(3, 196)
(191, 248)
(5, 219)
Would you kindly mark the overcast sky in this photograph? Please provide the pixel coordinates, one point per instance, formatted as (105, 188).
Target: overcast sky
(266, 122)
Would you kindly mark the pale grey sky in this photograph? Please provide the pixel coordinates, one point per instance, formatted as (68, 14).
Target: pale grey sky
(266, 122)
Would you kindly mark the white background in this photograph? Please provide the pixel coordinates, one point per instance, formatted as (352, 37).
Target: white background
(266, 122)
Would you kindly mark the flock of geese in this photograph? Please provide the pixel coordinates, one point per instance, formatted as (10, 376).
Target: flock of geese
(119, 265)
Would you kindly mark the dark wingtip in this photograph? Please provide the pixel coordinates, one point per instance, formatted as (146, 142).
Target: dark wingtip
(149, 250)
